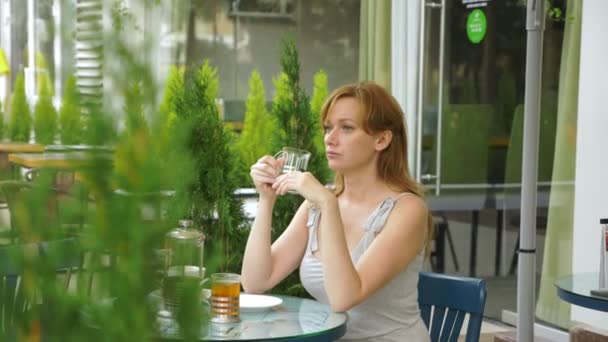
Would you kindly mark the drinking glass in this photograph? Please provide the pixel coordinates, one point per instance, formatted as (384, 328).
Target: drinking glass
(294, 160)
(224, 300)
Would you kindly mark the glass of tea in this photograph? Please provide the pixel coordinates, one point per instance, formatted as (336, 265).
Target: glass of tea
(224, 300)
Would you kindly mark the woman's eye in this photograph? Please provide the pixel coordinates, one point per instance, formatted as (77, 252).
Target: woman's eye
(348, 128)
(326, 129)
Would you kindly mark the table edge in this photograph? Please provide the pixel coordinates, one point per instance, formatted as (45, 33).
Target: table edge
(589, 302)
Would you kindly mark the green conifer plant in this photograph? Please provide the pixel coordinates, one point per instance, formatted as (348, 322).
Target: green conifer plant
(320, 92)
(70, 120)
(296, 127)
(20, 121)
(214, 207)
(253, 142)
(174, 88)
(45, 116)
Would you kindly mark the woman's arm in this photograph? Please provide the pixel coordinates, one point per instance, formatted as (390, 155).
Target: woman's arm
(265, 265)
(401, 239)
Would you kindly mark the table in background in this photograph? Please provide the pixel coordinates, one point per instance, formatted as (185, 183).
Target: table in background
(16, 147)
(576, 289)
(296, 319)
(58, 160)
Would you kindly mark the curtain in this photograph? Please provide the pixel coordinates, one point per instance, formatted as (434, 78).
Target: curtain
(557, 259)
(375, 42)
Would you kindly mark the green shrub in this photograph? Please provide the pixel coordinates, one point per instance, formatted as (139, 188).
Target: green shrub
(20, 121)
(120, 306)
(70, 122)
(45, 116)
(297, 127)
(319, 95)
(174, 88)
(253, 142)
(211, 192)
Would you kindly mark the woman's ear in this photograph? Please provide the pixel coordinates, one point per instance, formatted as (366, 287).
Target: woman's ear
(383, 139)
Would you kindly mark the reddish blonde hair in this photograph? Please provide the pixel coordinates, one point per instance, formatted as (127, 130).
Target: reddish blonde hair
(381, 112)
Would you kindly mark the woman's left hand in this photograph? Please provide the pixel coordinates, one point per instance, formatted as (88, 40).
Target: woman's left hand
(303, 183)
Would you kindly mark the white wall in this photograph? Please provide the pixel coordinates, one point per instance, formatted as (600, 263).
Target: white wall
(591, 193)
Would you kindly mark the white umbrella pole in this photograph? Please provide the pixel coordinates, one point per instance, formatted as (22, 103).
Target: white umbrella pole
(526, 272)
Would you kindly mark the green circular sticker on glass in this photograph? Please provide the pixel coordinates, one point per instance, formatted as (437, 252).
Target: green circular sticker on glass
(476, 26)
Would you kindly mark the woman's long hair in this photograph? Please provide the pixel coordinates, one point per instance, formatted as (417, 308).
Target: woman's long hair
(382, 112)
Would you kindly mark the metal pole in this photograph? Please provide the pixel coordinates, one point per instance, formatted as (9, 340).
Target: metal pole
(526, 279)
(420, 93)
(30, 71)
(440, 98)
(57, 45)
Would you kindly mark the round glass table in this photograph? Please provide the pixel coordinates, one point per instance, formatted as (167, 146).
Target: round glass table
(296, 319)
(576, 289)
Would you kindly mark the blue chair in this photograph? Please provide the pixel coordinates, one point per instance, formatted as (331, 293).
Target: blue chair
(450, 299)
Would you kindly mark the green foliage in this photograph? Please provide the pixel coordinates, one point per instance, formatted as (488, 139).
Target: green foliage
(253, 142)
(297, 127)
(70, 122)
(211, 193)
(20, 121)
(174, 88)
(45, 116)
(1, 121)
(120, 306)
(134, 111)
(319, 95)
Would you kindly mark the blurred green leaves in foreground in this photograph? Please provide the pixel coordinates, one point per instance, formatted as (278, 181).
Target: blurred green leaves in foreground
(173, 161)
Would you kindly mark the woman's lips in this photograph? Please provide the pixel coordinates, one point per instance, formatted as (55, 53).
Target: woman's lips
(332, 155)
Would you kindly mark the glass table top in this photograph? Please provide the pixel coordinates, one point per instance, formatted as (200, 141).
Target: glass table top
(296, 318)
(576, 289)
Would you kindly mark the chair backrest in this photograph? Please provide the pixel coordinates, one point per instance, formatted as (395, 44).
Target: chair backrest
(445, 300)
(16, 295)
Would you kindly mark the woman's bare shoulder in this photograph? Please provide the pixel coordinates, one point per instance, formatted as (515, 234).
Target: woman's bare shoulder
(411, 204)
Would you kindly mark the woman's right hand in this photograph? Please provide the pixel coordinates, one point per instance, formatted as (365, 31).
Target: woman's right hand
(264, 173)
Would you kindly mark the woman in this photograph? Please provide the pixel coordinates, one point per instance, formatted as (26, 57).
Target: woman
(361, 245)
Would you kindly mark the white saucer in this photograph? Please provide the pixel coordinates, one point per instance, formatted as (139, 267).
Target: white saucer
(254, 303)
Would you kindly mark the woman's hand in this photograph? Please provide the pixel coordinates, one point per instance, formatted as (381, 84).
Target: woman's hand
(264, 173)
(305, 184)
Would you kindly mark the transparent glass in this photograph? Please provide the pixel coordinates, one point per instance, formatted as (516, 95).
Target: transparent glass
(224, 300)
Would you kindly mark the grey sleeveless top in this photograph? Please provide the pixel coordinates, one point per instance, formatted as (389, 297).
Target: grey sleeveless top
(390, 314)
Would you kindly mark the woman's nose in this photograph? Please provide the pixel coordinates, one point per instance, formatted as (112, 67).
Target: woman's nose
(330, 137)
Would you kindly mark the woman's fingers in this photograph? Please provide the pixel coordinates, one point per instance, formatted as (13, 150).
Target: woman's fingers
(265, 168)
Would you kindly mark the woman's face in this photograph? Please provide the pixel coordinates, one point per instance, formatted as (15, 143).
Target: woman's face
(347, 145)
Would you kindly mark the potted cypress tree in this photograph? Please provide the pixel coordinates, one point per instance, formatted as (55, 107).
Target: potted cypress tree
(20, 121)
(211, 189)
(319, 95)
(70, 123)
(253, 142)
(296, 127)
(45, 115)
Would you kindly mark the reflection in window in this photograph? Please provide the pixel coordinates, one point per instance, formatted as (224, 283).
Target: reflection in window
(240, 36)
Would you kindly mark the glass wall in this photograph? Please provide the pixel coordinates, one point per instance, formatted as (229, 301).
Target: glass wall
(472, 115)
(487, 78)
(239, 36)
